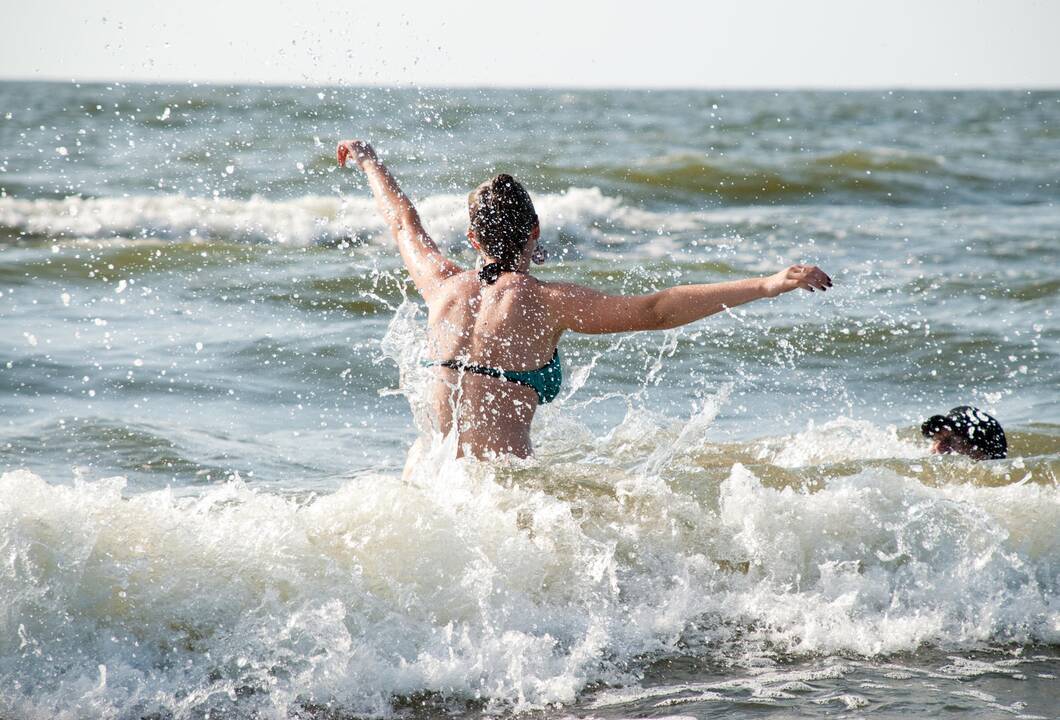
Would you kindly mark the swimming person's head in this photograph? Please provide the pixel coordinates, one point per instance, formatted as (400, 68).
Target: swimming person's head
(503, 225)
(968, 431)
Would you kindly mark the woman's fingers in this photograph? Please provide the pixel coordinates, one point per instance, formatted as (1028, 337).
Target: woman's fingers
(349, 149)
(812, 279)
(358, 150)
(808, 277)
(812, 275)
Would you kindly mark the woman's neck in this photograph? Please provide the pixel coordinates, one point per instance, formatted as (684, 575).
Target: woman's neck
(522, 265)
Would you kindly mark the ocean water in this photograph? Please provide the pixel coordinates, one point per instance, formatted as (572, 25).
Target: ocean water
(208, 384)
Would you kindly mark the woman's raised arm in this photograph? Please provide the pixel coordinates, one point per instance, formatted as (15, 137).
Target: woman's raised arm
(589, 311)
(426, 264)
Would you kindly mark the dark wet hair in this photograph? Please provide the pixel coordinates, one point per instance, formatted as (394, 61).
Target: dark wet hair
(979, 431)
(502, 216)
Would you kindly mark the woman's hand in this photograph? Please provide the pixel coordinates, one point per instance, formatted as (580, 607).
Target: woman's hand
(807, 277)
(359, 150)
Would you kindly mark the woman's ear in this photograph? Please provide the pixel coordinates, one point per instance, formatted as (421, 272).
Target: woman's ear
(471, 238)
(536, 232)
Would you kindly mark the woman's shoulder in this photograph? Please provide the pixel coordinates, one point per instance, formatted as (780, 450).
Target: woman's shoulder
(468, 284)
(559, 291)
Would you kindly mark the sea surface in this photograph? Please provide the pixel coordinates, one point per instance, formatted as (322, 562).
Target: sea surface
(209, 382)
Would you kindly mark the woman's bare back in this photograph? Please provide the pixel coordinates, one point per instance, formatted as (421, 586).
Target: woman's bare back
(506, 326)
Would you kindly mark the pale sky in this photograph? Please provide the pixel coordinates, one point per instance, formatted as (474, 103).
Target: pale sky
(665, 43)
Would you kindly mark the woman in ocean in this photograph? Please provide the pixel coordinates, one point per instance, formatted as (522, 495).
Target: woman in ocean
(494, 331)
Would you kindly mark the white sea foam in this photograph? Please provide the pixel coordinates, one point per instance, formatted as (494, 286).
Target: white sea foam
(839, 440)
(584, 213)
(584, 219)
(300, 221)
(521, 591)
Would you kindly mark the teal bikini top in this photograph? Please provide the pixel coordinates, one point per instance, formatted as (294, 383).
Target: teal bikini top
(545, 380)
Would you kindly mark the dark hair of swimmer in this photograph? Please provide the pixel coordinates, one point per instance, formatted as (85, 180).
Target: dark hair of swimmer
(968, 431)
(502, 217)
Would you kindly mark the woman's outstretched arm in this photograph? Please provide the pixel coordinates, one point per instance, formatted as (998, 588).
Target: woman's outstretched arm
(426, 264)
(584, 310)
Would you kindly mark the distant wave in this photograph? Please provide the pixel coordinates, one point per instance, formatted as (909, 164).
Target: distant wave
(580, 212)
(878, 175)
(166, 217)
(882, 159)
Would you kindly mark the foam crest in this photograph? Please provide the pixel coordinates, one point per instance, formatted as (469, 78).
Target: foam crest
(840, 440)
(579, 214)
(299, 221)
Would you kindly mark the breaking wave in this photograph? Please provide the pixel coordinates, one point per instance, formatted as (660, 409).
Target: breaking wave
(517, 585)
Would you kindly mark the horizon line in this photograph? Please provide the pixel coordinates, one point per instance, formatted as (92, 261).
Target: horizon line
(534, 87)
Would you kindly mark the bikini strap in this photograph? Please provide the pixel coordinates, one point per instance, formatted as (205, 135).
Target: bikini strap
(471, 368)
